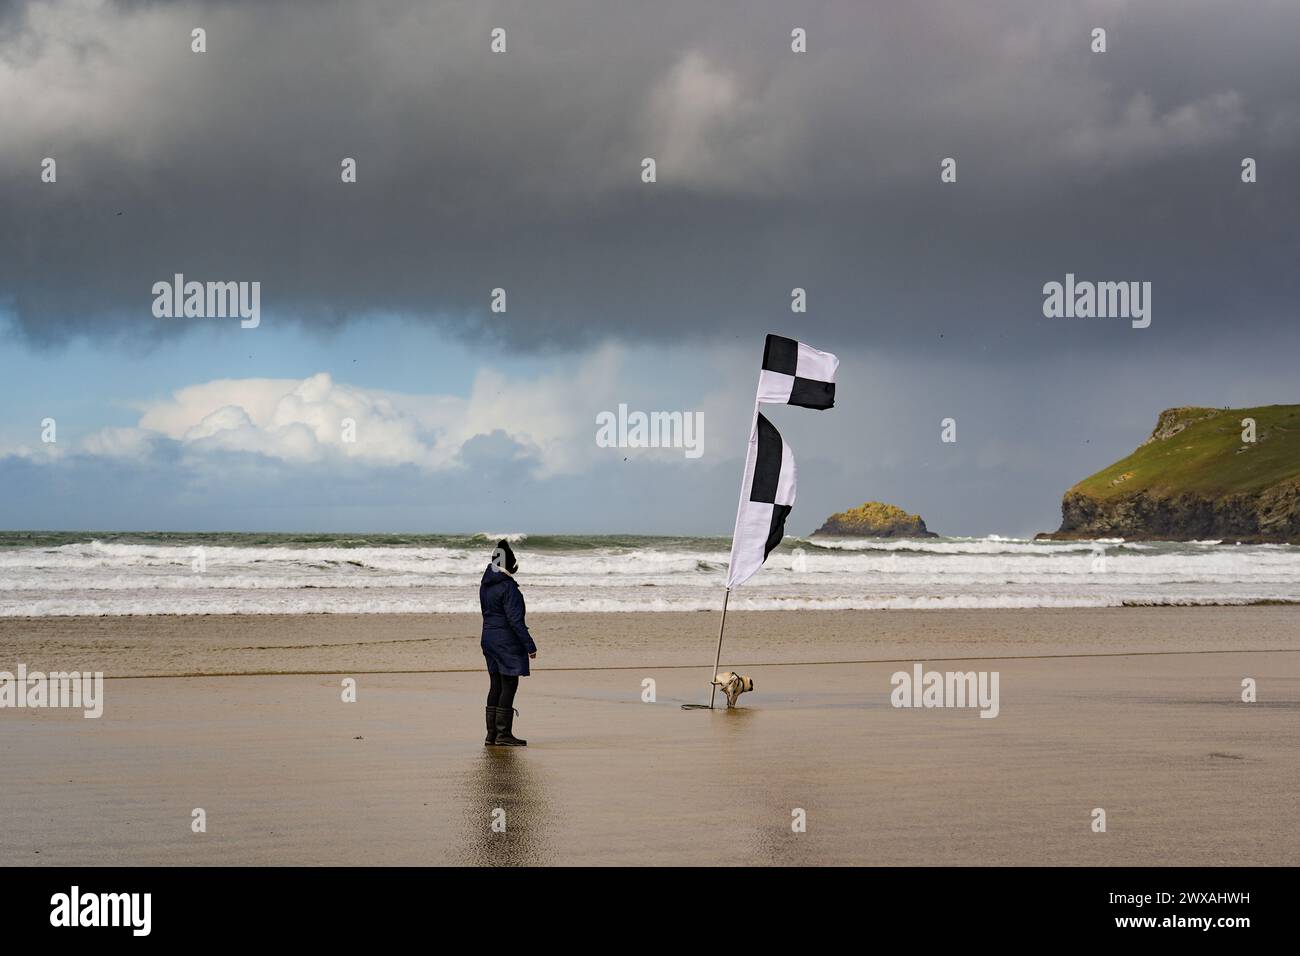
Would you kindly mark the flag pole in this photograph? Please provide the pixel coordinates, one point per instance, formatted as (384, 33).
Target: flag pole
(717, 660)
(713, 676)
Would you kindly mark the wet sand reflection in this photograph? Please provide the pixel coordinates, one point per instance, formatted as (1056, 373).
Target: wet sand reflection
(504, 778)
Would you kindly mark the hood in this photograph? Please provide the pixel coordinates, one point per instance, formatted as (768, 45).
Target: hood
(503, 556)
(494, 575)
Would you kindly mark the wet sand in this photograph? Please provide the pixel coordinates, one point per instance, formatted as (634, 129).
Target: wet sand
(1153, 731)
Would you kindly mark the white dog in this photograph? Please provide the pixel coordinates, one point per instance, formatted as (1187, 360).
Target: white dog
(733, 685)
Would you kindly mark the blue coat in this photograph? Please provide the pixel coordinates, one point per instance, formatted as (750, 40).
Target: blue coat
(506, 641)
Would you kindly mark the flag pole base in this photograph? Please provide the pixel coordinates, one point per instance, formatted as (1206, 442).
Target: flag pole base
(713, 675)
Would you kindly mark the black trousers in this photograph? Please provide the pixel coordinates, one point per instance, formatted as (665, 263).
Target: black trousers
(501, 693)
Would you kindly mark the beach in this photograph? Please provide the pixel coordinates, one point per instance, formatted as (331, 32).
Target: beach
(1136, 711)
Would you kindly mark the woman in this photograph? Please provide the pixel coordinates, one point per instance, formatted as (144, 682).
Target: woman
(507, 645)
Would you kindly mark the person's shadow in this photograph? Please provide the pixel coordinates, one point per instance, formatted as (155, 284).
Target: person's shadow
(505, 810)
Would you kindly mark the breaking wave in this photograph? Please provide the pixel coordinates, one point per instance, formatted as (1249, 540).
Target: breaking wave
(118, 574)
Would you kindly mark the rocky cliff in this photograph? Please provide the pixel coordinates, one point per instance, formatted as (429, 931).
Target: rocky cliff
(1203, 474)
(875, 520)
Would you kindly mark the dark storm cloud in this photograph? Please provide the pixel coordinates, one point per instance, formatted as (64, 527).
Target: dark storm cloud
(521, 170)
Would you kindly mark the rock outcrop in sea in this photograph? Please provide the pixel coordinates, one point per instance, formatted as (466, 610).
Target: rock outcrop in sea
(875, 519)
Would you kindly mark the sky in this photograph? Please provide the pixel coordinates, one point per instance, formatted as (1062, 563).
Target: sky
(522, 170)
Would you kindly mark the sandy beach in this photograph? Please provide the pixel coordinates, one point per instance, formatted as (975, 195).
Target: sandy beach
(1133, 710)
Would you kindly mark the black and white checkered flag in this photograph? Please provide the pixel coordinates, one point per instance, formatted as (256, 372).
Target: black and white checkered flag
(760, 519)
(793, 374)
(796, 374)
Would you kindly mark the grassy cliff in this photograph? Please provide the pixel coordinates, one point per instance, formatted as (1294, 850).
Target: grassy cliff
(1196, 478)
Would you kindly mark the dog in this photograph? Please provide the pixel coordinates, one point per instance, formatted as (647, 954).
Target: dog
(733, 685)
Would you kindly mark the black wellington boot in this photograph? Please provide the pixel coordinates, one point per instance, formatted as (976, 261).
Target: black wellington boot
(505, 723)
(491, 738)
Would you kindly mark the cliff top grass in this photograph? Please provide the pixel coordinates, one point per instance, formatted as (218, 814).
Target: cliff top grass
(1200, 450)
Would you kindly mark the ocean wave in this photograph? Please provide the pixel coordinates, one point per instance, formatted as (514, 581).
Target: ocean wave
(991, 544)
(309, 601)
(117, 574)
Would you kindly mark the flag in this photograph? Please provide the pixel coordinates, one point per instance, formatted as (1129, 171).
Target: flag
(796, 374)
(792, 374)
(767, 495)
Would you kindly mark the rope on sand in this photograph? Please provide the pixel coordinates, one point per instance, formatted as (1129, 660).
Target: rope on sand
(679, 667)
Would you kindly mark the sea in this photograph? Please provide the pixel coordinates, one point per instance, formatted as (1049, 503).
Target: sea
(50, 574)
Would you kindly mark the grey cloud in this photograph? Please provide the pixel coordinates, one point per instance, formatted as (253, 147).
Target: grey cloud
(521, 170)
(494, 458)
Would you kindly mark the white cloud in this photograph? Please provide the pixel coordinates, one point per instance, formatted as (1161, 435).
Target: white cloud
(119, 443)
(304, 421)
